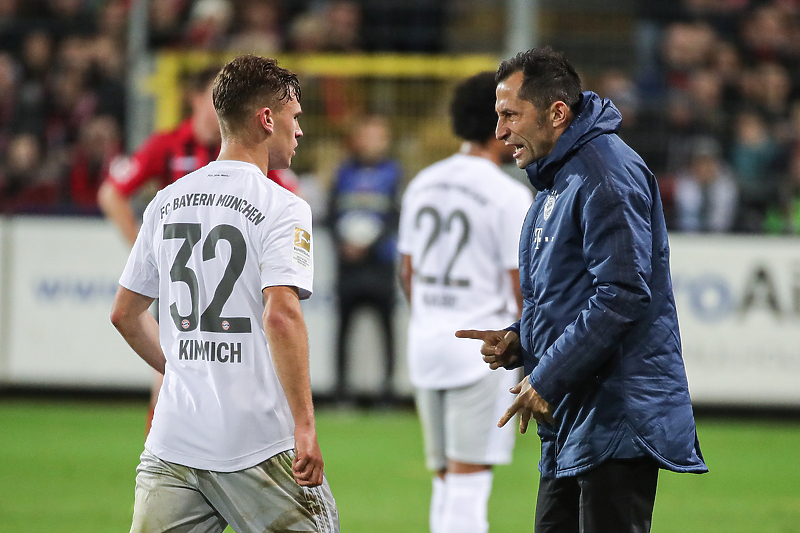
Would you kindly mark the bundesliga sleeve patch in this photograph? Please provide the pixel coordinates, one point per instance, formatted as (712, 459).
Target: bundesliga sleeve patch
(301, 250)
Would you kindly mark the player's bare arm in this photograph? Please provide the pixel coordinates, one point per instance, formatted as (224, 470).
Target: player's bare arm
(529, 405)
(117, 208)
(501, 349)
(406, 272)
(286, 334)
(131, 317)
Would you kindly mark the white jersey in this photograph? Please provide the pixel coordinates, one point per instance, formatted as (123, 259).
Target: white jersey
(209, 244)
(460, 222)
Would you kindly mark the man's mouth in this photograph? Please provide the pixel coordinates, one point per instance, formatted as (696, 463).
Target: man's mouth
(518, 149)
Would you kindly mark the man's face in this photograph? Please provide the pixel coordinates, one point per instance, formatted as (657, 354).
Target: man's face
(519, 123)
(285, 133)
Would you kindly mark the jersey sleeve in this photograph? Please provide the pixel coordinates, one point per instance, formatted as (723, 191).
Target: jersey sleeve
(287, 250)
(512, 216)
(141, 271)
(129, 174)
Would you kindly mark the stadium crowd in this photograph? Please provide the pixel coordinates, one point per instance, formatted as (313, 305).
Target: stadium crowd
(63, 68)
(714, 110)
(713, 104)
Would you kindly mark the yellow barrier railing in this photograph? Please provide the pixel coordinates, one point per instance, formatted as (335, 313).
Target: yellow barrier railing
(165, 86)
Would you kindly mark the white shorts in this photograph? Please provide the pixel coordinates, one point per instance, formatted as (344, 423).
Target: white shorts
(460, 424)
(265, 497)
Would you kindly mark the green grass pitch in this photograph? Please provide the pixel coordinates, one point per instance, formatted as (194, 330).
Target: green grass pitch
(70, 466)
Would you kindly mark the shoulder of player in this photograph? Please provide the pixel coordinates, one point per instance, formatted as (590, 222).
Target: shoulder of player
(282, 199)
(431, 173)
(517, 188)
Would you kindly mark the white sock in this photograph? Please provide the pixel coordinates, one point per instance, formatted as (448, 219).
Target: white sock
(465, 503)
(437, 505)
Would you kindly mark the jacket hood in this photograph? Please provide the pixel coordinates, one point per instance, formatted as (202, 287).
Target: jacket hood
(596, 116)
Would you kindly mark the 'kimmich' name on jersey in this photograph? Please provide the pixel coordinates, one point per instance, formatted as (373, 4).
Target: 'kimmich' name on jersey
(230, 201)
(221, 352)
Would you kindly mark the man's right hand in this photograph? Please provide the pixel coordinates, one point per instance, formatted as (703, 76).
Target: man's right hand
(307, 466)
(501, 349)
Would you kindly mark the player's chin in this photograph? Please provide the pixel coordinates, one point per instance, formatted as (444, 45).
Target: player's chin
(280, 164)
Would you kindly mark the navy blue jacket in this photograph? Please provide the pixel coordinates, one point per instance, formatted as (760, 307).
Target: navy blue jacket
(599, 330)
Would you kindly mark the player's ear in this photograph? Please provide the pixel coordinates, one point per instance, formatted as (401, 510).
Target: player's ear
(266, 119)
(559, 113)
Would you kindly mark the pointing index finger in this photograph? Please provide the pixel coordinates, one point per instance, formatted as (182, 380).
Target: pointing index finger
(471, 334)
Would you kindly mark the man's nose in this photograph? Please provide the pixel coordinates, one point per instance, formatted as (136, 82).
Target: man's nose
(500, 132)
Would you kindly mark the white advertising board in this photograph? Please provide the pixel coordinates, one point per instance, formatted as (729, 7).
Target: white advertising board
(738, 302)
(64, 274)
(61, 279)
(4, 286)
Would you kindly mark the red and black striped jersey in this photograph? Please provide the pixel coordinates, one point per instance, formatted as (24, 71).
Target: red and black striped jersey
(164, 157)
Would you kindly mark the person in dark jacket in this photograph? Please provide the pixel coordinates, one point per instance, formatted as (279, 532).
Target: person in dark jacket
(599, 335)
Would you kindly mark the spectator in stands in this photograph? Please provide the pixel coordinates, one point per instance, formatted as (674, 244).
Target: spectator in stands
(774, 86)
(755, 157)
(680, 130)
(71, 104)
(344, 26)
(112, 22)
(705, 93)
(363, 215)
(784, 216)
(8, 97)
(766, 34)
(106, 77)
(25, 183)
(686, 48)
(166, 19)
(11, 31)
(37, 56)
(98, 144)
(331, 26)
(705, 192)
(641, 129)
(307, 33)
(209, 24)
(260, 28)
(70, 17)
(726, 63)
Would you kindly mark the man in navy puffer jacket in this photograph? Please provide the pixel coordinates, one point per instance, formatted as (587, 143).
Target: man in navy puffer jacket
(599, 333)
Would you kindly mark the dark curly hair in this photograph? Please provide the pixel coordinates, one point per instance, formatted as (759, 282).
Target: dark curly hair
(248, 83)
(472, 110)
(547, 77)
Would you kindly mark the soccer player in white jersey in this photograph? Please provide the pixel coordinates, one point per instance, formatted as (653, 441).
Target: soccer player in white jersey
(229, 255)
(459, 233)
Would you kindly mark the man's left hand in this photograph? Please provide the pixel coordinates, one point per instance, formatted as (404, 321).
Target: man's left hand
(529, 405)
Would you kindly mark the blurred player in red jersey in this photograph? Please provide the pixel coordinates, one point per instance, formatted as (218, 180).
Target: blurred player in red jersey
(165, 157)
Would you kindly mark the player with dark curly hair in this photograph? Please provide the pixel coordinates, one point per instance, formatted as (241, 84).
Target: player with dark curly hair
(459, 229)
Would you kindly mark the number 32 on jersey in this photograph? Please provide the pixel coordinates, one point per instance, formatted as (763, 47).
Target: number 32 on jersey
(210, 319)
